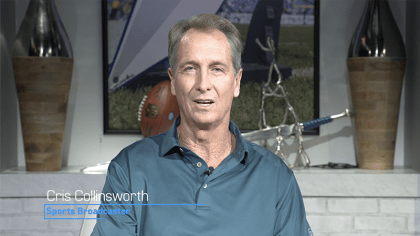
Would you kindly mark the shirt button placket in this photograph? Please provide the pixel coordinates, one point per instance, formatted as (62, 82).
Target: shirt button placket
(199, 164)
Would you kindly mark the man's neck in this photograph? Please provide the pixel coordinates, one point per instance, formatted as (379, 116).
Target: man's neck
(213, 145)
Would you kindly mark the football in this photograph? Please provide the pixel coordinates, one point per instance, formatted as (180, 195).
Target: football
(158, 110)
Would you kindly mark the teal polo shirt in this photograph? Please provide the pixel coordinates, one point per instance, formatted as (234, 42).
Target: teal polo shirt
(163, 188)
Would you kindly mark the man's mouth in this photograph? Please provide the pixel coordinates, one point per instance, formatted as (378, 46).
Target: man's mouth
(204, 102)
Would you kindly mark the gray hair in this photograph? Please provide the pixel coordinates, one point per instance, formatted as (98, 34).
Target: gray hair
(205, 22)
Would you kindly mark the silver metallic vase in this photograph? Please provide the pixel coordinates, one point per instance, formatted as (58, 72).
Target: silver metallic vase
(377, 34)
(376, 63)
(42, 33)
(42, 64)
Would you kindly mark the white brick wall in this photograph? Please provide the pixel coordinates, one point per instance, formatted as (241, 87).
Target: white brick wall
(327, 217)
(25, 217)
(411, 224)
(10, 206)
(321, 234)
(380, 223)
(48, 234)
(328, 223)
(315, 205)
(398, 234)
(352, 205)
(352, 234)
(397, 206)
(13, 222)
(343, 216)
(65, 224)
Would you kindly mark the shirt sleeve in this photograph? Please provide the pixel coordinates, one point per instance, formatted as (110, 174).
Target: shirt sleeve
(117, 185)
(291, 216)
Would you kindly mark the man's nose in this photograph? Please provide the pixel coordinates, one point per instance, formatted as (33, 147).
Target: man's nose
(203, 81)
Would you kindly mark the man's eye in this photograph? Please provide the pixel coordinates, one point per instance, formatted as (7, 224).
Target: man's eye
(217, 69)
(189, 68)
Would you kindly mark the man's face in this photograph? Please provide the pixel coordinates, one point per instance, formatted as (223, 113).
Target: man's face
(204, 82)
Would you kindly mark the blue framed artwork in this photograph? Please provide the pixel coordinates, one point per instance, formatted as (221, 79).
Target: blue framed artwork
(135, 45)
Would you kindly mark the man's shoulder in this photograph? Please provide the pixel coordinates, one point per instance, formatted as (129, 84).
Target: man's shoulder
(269, 166)
(147, 144)
(141, 150)
(265, 157)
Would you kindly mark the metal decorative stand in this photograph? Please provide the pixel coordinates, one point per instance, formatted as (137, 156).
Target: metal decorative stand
(284, 131)
(280, 92)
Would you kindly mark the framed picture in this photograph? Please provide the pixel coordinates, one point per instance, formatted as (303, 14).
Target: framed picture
(135, 56)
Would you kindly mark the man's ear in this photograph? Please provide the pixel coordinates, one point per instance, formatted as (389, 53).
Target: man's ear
(172, 77)
(237, 83)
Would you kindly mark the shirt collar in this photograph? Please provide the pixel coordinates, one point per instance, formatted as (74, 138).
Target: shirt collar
(171, 141)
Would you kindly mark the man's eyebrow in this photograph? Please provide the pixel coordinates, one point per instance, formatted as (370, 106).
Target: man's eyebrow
(194, 63)
(218, 63)
(188, 63)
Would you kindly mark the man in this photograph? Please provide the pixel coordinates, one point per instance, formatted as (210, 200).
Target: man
(217, 182)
